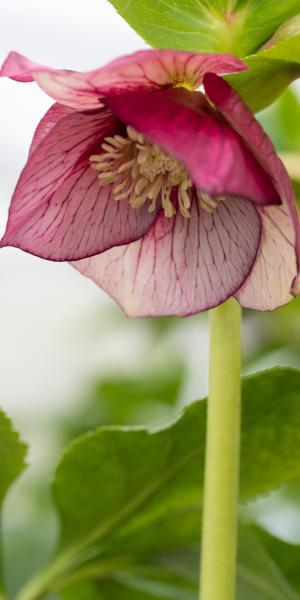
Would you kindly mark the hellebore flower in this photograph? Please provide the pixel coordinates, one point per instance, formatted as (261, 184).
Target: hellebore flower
(170, 198)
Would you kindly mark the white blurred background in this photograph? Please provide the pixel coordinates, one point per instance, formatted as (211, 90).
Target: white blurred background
(58, 330)
(45, 351)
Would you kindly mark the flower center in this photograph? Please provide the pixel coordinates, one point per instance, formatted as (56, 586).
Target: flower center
(141, 172)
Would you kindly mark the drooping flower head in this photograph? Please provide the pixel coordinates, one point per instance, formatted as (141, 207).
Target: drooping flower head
(155, 180)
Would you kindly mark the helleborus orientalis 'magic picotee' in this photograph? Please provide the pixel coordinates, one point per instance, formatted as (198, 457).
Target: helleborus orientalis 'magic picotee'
(155, 180)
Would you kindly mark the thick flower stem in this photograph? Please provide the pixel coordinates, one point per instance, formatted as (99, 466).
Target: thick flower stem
(219, 536)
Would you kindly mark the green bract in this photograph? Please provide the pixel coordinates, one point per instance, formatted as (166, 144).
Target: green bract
(269, 73)
(239, 27)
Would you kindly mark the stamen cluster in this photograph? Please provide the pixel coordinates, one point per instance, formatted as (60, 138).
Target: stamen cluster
(140, 171)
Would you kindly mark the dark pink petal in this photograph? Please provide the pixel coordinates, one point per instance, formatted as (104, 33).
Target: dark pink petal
(212, 152)
(51, 118)
(181, 266)
(242, 120)
(148, 69)
(269, 283)
(59, 211)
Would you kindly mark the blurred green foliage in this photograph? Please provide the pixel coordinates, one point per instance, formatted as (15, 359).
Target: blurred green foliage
(12, 454)
(259, 575)
(280, 121)
(12, 460)
(285, 555)
(116, 400)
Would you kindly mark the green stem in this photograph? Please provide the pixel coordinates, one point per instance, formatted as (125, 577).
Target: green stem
(219, 536)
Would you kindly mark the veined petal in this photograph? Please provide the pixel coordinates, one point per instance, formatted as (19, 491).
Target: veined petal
(59, 211)
(145, 70)
(67, 87)
(181, 266)
(269, 283)
(182, 123)
(243, 121)
(151, 69)
(55, 113)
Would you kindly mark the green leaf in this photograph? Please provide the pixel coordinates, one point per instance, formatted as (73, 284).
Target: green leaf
(108, 476)
(238, 26)
(12, 455)
(126, 495)
(130, 500)
(138, 585)
(175, 575)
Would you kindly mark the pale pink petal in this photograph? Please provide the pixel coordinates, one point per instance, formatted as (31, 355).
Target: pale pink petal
(148, 69)
(269, 283)
(67, 87)
(59, 211)
(242, 120)
(181, 266)
(182, 123)
(151, 69)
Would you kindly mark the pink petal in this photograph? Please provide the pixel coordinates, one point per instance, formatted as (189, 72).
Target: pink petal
(66, 86)
(151, 69)
(181, 266)
(19, 68)
(269, 283)
(59, 211)
(51, 118)
(182, 123)
(242, 120)
(148, 69)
